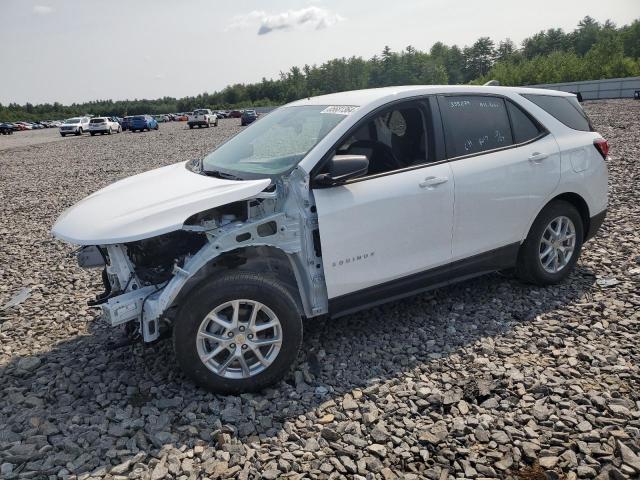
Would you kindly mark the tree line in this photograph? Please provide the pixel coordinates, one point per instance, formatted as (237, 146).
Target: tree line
(593, 50)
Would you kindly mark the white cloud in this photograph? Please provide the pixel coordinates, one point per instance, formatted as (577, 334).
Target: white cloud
(42, 9)
(313, 17)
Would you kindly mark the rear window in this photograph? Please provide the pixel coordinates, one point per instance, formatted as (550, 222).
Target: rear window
(139, 118)
(475, 124)
(566, 110)
(98, 120)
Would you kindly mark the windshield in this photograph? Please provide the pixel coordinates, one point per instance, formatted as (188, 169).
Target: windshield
(72, 120)
(276, 143)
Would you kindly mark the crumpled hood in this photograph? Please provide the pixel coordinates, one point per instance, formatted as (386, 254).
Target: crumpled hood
(148, 204)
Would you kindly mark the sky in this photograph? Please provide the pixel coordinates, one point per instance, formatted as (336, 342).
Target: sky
(78, 50)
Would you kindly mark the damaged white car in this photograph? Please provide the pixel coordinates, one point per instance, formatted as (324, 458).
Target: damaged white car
(335, 203)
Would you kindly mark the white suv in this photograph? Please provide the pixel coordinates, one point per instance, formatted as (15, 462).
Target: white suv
(74, 126)
(336, 203)
(104, 125)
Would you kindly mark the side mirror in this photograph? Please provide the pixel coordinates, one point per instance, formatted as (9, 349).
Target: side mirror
(342, 168)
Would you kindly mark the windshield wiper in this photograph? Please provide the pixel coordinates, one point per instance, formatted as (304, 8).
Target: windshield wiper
(219, 174)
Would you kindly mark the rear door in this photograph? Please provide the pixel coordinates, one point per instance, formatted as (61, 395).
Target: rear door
(381, 234)
(500, 172)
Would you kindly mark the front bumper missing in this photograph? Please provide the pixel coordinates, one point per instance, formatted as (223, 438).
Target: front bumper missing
(137, 303)
(132, 306)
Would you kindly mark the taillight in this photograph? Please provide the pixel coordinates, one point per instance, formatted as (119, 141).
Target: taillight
(602, 146)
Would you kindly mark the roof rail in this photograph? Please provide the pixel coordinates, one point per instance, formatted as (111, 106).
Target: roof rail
(492, 83)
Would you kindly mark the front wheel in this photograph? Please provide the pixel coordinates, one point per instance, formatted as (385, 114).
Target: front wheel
(238, 332)
(79, 132)
(551, 250)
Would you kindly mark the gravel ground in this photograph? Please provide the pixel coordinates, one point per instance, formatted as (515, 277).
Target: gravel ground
(487, 379)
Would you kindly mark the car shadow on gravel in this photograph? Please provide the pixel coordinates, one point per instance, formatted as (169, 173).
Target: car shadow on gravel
(82, 395)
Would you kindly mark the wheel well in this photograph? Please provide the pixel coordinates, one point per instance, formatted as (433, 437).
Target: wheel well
(264, 259)
(582, 207)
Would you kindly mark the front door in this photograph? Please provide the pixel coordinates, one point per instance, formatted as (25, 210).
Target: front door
(395, 223)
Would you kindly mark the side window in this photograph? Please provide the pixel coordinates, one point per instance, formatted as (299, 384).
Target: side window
(474, 124)
(524, 128)
(398, 137)
(564, 109)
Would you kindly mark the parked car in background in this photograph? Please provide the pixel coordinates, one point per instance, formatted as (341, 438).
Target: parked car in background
(142, 123)
(235, 114)
(181, 117)
(104, 125)
(126, 123)
(202, 117)
(6, 128)
(222, 113)
(75, 126)
(248, 116)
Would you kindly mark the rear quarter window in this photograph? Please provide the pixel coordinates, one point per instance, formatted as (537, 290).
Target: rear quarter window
(474, 124)
(524, 128)
(566, 110)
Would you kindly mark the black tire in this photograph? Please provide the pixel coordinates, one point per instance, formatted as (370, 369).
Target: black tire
(92, 133)
(79, 132)
(529, 268)
(110, 132)
(63, 134)
(191, 126)
(229, 286)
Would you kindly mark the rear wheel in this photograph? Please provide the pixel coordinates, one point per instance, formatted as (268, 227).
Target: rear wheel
(190, 126)
(238, 332)
(551, 250)
(79, 132)
(63, 134)
(110, 131)
(92, 133)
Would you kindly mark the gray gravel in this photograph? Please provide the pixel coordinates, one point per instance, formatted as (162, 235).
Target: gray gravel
(487, 379)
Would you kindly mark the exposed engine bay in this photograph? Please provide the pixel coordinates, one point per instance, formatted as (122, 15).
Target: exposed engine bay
(153, 258)
(143, 278)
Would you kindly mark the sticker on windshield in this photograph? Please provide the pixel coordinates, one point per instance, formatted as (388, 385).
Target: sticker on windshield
(340, 109)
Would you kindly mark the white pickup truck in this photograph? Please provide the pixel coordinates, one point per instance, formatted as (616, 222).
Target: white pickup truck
(202, 118)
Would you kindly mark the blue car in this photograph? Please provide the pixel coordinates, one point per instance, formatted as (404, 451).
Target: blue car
(248, 116)
(142, 123)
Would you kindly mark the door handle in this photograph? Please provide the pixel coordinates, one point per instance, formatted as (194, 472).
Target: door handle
(537, 157)
(431, 182)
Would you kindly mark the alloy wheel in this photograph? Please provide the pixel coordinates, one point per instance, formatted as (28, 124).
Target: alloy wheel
(239, 339)
(557, 244)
